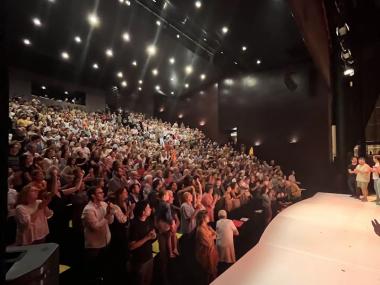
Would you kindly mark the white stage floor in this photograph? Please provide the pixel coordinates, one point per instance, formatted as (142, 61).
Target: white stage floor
(327, 239)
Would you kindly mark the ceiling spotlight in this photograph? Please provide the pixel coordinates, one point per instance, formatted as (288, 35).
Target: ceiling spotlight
(36, 22)
(109, 52)
(243, 48)
(134, 63)
(128, 3)
(66, 92)
(43, 87)
(121, 1)
(172, 92)
(172, 60)
(65, 55)
(51, 1)
(157, 87)
(346, 55)
(26, 42)
(162, 109)
(198, 4)
(224, 30)
(155, 72)
(180, 116)
(93, 20)
(126, 37)
(257, 143)
(235, 62)
(293, 140)
(124, 83)
(78, 39)
(119, 74)
(95, 66)
(139, 88)
(349, 71)
(177, 36)
(140, 82)
(203, 76)
(187, 85)
(258, 61)
(343, 30)
(188, 69)
(202, 123)
(151, 50)
(171, 78)
(158, 23)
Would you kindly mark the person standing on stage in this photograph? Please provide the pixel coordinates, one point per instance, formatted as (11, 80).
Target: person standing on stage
(376, 177)
(363, 176)
(351, 179)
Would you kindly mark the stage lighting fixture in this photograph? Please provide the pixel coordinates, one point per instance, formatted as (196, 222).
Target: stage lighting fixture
(95, 66)
(37, 22)
(180, 116)
(202, 123)
(155, 72)
(139, 88)
(43, 87)
(109, 52)
(151, 50)
(172, 92)
(188, 69)
(126, 37)
(140, 82)
(157, 87)
(258, 62)
(186, 85)
(348, 71)
(243, 48)
(67, 92)
(198, 4)
(65, 55)
(342, 30)
(134, 63)
(124, 83)
(158, 23)
(78, 39)
(346, 56)
(26, 42)
(224, 30)
(172, 60)
(178, 36)
(203, 76)
(119, 74)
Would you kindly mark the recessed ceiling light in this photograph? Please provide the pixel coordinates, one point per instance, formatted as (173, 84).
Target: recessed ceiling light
(222, 52)
(121, 1)
(95, 66)
(65, 55)
(109, 52)
(151, 50)
(188, 69)
(178, 36)
(158, 23)
(93, 20)
(51, 1)
(140, 82)
(124, 83)
(258, 61)
(243, 48)
(187, 85)
(180, 116)
(26, 42)
(224, 30)
(204, 39)
(128, 3)
(155, 71)
(172, 92)
(203, 76)
(235, 62)
(126, 37)
(139, 88)
(119, 74)
(172, 60)
(202, 123)
(171, 78)
(36, 22)
(66, 92)
(134, 63)
(198, 4)
(78, 39)
(157, 87)
(43, 87)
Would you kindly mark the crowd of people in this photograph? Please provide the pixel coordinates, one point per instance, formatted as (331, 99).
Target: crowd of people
(121, 183)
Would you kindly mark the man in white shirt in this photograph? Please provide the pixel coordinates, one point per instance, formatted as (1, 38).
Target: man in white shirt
(96, 217)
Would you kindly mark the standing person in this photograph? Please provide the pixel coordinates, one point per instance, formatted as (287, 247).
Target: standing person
(96, 217)
(188, 214)
(351, 179)
(363, 176)
(376, 177)
(142, 235)
(31, 217)
(205, 249)
(225, 232)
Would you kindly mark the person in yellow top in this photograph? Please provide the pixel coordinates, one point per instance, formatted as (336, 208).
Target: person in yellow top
(363, 176)
(24, 121)
(251, 153)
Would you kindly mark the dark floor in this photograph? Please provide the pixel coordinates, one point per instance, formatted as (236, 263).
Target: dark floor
(184, 269)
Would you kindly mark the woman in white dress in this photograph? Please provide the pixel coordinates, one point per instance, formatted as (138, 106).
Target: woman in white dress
(225, 232)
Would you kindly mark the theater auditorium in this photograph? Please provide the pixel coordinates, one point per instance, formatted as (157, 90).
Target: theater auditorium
(190, 142)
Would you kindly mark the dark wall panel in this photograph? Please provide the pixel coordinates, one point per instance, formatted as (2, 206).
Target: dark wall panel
(286, 114)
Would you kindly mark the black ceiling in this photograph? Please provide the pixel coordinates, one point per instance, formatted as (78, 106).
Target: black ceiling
(265, 27)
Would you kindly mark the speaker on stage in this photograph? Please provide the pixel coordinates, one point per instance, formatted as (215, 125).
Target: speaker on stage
(32, 264)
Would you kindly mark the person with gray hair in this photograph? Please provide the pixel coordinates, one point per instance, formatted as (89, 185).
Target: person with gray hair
(225, 232)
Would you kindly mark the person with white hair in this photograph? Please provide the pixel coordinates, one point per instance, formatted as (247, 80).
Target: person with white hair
(225, 232)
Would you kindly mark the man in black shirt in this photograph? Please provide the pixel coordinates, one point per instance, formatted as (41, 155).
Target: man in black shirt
(142, 235)
(351, 178)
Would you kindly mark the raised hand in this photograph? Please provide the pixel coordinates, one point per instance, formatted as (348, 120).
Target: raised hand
(376, 226)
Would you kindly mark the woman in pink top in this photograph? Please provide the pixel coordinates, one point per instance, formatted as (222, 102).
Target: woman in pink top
(209, 202)
(31, 216)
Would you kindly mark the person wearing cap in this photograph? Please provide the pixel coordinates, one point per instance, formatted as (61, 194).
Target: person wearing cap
(225, 232)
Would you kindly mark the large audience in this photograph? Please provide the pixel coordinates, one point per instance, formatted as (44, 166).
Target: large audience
(122, 181)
